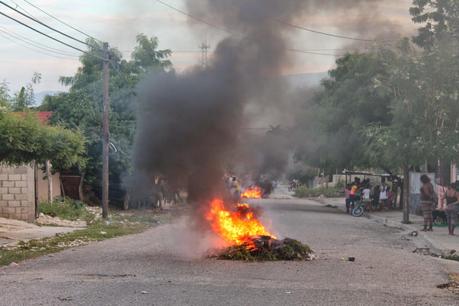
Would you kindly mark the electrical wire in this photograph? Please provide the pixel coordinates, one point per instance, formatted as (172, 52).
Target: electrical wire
(193, 17)
(61, 21)
(280, 21)
(324, 33)
(5, 35)
(43, 24)
(40, 32)
(35, 43)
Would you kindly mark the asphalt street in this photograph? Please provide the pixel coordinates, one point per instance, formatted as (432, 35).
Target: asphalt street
(167, 266)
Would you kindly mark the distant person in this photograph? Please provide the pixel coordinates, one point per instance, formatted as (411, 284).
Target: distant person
(427, 202)
(366, 197)
(452, 198)
(383, 197)
(353, 195)
(347, 194)
(376, 192)
(390, 198)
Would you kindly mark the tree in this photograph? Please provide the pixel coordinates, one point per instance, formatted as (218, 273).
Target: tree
(25, 139)
(441, 19)
(353, 97)
(81, 107)
(25, 97)
(4, 96)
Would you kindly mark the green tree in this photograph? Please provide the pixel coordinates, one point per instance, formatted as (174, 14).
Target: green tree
(353, 97)
(81, 107)
(441, 19)
(4, 96)
(25, 139)
(25, 97)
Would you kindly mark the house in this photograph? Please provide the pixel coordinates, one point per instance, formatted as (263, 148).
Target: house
(23, 187)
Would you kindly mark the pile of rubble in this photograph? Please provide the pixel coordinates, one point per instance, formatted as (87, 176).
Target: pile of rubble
(265, 248)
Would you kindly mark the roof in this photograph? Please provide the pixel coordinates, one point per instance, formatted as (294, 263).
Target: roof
(43, 117)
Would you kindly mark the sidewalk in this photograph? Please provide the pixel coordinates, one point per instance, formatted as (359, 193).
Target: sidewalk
(12, 231)
(438, 241)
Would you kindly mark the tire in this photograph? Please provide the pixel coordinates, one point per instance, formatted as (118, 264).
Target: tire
(358, 211)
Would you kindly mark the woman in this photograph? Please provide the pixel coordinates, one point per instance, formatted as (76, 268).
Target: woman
(427, 202)
(452, 197)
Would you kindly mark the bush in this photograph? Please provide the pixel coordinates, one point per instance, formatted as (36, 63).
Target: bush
(66, 209)
(304, 192)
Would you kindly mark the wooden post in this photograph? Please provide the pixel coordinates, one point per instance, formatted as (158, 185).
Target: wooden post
(106, 134)
(35, 184)
(49, 177)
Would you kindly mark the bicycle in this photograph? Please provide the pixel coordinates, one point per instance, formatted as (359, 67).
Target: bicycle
(359, 209)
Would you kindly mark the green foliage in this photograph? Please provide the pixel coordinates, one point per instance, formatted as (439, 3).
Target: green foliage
(66, 209)
(354, 96)
(81, 108)
(440, 19)
(331, 192)
(288, 249)
(5, 99)
(25, 139)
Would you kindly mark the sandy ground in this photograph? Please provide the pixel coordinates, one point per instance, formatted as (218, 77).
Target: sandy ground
(164, 266)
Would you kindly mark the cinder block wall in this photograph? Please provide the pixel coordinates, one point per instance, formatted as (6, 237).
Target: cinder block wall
(17, 193)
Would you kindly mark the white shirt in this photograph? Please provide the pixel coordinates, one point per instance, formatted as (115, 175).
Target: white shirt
(366, 194)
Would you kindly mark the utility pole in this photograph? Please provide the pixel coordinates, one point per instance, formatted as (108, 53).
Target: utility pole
(106, 134)
(204, 54)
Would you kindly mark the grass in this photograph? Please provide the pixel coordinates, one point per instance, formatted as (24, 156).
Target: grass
(304, 192)
(66, 209)
(120, 224)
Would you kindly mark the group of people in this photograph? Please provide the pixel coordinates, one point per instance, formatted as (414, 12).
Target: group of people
(377, 198)
(429, 200)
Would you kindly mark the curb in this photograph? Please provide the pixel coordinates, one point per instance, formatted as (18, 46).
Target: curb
(427, 241)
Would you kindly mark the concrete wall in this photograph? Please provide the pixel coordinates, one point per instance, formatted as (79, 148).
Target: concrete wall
(42, 187)
(17, 193)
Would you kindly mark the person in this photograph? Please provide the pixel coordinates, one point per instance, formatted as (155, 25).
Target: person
(347, 193)
(390, 198)
(353, 196)
(452, 197)
(427, 202)
(383, 197)
(366, 197)
(376, 192)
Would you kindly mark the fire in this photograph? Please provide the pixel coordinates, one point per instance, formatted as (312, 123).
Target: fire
(235, 227)
(253, 192)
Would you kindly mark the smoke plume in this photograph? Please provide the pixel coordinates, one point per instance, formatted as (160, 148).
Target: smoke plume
(190, 124)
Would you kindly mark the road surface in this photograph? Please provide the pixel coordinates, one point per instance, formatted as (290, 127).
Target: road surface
(164, 266)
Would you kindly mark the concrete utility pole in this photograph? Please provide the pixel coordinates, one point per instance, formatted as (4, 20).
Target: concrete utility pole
(106, 134)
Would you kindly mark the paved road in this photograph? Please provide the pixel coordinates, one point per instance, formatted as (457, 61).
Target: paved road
(163, 267)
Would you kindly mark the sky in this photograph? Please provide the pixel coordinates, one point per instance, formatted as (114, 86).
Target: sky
(118, 22)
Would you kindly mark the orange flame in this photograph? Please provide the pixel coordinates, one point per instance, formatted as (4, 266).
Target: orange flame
(235, 227)
(253, 192)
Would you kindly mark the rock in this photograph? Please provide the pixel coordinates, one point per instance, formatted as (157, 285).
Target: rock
(144, 292)
(13, 264)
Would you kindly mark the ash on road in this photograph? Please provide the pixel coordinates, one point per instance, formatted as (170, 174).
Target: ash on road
(146, 270)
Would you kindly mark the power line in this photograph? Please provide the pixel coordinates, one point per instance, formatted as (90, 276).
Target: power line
(36, 44)
(280, 21)
(43, 24)
(61, 21)
(312, 52)
(193, 17)
(40, 32)
(7, 36)
(324, 33)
